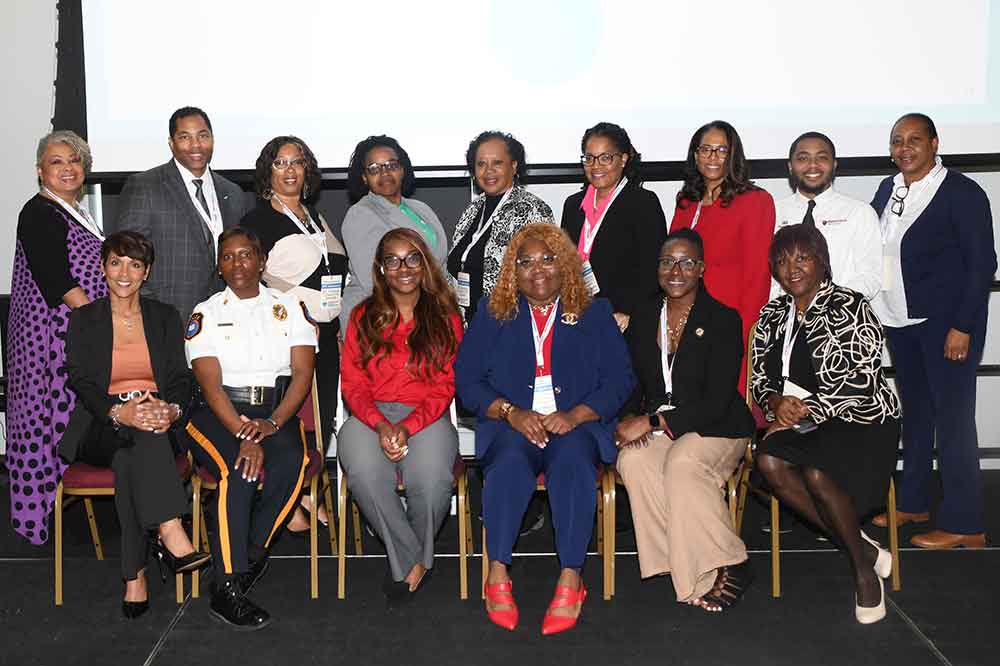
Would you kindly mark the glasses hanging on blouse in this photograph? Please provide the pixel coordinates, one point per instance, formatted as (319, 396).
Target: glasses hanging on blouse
(898, 199)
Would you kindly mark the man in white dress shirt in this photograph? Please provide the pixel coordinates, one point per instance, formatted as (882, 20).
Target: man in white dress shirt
(182, 207)
(850, 226)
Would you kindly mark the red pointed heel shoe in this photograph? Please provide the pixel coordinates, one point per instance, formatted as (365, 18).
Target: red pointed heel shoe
(502, 594)
(564, 596)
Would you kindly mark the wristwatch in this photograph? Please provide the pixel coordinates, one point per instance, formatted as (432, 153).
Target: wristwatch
(654, 421)
(506, 407)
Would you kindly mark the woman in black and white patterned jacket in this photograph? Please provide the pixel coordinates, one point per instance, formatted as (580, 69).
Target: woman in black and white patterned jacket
(496, 161)
(817, 373)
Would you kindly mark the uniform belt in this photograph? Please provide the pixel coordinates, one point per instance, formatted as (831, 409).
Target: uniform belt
(251, 395)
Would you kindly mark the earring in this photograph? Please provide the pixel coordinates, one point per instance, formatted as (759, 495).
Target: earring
(268, 193)
(381, 270)
(305, 191)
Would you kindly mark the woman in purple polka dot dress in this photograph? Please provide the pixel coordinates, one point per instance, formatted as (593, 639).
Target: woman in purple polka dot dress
(56, 269)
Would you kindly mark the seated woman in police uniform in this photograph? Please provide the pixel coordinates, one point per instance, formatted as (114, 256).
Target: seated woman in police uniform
(252, 350)
(398, 383)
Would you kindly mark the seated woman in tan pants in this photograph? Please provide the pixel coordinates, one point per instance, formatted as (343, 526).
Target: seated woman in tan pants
(686, 431)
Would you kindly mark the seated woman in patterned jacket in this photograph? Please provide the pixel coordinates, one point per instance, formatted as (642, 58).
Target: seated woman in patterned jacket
(817, 373)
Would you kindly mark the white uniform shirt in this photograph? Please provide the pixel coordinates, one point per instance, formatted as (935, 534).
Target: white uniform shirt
(252, 338)
(214, 216)
(890, 304)
(851, 230)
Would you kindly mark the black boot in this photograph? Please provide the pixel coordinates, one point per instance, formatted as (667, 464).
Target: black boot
(257, 569)
(229, 605)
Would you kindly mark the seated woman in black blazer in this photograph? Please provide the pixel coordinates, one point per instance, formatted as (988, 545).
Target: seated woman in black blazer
(687, 430)
(125, 357)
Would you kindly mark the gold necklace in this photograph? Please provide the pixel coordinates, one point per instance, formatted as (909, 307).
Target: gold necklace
(543, 309)
(676, 331)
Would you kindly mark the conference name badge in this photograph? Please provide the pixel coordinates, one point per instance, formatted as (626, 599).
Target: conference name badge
(590, 279)
(464, 292)
(330, 293)
(543, 400)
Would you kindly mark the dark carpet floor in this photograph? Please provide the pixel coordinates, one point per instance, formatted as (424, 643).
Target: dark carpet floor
(946, 613)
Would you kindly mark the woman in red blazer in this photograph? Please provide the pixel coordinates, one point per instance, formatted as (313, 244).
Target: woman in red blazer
(734, 217)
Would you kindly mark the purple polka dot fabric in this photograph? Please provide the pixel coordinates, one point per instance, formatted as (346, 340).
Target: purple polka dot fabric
(39, 400)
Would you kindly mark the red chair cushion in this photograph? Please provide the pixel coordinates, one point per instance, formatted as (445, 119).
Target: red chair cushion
(314, 465)
(82, 475)
(306, 414)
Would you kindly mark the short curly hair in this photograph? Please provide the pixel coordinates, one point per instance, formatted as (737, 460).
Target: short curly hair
(262, 174)
(514, 148)
(803, 238)
(71, 139)
(356, 186)
(573, 295)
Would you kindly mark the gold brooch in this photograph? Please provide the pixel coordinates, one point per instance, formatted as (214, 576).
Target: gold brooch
(699, 331)
(279, 311)
(570, 319)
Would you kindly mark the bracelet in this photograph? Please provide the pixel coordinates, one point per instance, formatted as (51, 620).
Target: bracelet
(506, 407)
(270, 419)
(113, 414)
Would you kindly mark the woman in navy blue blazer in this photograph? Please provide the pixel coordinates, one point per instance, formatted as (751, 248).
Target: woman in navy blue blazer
(546, 371)
(939, 257)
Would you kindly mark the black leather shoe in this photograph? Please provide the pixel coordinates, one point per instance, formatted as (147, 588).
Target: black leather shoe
(133, 609)
(231, 607)
(253, 576)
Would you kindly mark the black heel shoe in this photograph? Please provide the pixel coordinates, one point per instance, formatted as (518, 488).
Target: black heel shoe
(133, 609)
(168, 561)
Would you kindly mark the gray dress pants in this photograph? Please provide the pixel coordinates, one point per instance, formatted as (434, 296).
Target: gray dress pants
(408, 533)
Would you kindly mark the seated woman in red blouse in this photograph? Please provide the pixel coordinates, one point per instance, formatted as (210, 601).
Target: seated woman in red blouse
(735, 219)
(398, 383)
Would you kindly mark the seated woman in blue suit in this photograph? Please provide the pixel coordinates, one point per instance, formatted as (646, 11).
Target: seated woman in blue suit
(546, 371)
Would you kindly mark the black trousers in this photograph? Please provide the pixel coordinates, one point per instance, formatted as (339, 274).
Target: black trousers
(328, 377)
(147, 489)
(242, 519)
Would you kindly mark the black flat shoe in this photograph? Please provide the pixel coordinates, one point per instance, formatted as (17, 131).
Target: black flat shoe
(175, 565)
(133, 609)
(230, 606)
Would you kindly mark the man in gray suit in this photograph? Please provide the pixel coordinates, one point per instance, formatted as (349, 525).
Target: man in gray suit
(182, 207)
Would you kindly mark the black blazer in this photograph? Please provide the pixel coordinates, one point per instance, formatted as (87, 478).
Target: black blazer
(705, 372)
(627, 246)
(89, 341)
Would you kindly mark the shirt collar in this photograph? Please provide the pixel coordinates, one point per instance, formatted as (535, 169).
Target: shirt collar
(919, 184)
(187, 176)
(232, 299)
(821, 198)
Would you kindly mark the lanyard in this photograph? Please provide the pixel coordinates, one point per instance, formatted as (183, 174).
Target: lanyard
(318, 237)
(484, 225)
(540, 339)
(79, 214)
(590, 232)
(789, 341)
(697, 214)
(665, 362)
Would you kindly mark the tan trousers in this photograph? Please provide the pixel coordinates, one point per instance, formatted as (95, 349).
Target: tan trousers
(682, 524)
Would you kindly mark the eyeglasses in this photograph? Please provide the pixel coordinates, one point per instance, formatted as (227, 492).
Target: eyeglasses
(898, 198)
(376, 168)
(604, 159)
(799, 259)
(527, 263)
(393, 263)
(706, 151)
(687, 264)
(281, 163)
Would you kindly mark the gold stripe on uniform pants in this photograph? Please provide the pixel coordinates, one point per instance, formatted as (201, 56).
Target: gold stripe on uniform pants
(205, 443)
(298, 486)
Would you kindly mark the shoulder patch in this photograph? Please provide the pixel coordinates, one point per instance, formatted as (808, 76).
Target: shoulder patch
(194, 326)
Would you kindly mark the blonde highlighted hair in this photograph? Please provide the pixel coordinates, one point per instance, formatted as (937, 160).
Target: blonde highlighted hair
(573, 295)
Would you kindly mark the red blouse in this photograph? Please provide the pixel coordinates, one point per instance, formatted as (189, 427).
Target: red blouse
(389, 380)
(737, 238)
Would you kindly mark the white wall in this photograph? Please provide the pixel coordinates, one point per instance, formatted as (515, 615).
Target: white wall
(27, 45)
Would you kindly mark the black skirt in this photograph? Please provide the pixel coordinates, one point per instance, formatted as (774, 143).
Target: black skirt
(858, 457)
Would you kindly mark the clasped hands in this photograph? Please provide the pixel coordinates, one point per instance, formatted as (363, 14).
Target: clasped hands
(788, 411)
(633, 431)
(394, 440)
(536, 427)
(147, 413)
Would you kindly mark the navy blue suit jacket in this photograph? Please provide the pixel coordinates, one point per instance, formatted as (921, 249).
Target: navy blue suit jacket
(590, 365)
(947, 254)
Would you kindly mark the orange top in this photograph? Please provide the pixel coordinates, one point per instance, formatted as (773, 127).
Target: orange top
(131, 369)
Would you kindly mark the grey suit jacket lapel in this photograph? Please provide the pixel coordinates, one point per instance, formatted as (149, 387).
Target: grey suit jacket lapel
(178, 189)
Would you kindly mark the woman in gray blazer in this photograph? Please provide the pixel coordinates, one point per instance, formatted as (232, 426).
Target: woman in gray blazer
(379, 178)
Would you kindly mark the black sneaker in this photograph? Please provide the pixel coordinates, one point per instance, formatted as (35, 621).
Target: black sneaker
(256, 572)
(230, 606)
